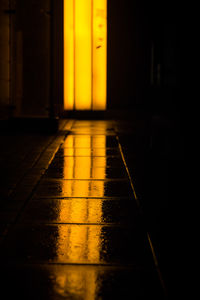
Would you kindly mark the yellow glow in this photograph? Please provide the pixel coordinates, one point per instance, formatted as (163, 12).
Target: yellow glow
(68, 54)
(85, 141)
(85, 54)
(83, 50)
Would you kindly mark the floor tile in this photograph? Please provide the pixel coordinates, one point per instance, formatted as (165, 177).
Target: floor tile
(90, 173)
(56, 282)
(93, 131)
(77, 244)
(88, 152)
(83, 188)
(90, 141)
(82, 210)
(87, 162)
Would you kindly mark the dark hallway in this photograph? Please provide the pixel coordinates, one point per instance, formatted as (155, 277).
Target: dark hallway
(89, 201)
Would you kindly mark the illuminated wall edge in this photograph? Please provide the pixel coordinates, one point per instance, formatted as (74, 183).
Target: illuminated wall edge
(85, 54)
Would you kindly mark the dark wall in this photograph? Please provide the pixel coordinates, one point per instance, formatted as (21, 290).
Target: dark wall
(165, 27)
(4, 60)
(33, 21)
(143, 55)
(144, 75)
(128, 53)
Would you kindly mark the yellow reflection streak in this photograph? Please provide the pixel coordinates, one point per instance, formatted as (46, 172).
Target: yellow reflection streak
(82, 210)
(81, 243)
(85, 54)
(76, 282)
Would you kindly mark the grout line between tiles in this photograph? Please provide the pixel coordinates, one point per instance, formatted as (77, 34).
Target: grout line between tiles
(83, 264)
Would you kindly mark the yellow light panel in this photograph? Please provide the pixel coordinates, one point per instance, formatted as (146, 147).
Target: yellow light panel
(68, 54)
(85, 54)
(83, 48)
(99, 54)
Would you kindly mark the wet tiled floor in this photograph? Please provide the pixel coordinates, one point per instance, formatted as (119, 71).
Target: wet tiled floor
(80, 234)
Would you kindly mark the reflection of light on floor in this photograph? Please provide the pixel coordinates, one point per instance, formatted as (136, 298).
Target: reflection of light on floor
(77, 283)
(77, 213)
(81, 243)
(85, 141)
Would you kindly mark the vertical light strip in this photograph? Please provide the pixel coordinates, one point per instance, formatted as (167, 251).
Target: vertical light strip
(85, 54)
(68, 54)
(92, 22)
(99, 54)
(83, 46)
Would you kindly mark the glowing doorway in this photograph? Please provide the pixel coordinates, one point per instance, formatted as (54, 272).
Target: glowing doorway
(85, 54)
